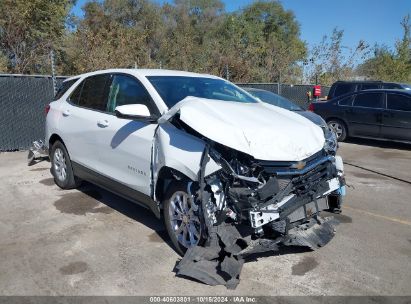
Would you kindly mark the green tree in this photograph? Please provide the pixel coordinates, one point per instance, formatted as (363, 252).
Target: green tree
(330, 60)
(114, 33)
(28, 30)
(391, 65)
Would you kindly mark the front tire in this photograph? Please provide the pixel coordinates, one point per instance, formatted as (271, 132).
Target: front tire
(339, 128)
(61, 168)
(182, 218)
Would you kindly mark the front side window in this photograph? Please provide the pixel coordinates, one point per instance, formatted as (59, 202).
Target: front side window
(126, 90)
(173, 89)
(398, 102)
(93, 93)
(369, 100)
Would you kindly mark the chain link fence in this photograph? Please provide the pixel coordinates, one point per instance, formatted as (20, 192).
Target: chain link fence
(296, 92)
(22, 103)
(23, 99)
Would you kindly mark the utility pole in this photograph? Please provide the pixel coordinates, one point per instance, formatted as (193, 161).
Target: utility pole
(227, 73)
(53, 72)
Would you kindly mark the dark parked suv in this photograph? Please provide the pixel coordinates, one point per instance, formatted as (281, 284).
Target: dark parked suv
(344, 87)
(381, 114)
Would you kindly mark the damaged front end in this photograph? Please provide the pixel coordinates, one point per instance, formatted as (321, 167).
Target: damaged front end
(272, 197)
(255, 190)
(252, 206)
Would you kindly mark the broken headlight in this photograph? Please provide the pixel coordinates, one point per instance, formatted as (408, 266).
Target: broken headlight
(331, 143)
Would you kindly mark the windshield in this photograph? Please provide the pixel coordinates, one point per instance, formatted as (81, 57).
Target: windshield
(276, 100)
(173, 89)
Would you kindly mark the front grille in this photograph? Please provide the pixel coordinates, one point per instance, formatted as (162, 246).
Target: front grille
(292, 167)
(312, 179)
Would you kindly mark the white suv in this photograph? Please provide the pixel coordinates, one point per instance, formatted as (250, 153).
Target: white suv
(195, 149)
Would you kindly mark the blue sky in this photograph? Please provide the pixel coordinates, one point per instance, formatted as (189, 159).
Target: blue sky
(375, 21)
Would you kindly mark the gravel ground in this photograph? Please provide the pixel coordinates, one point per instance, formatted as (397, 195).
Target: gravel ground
(90, 242)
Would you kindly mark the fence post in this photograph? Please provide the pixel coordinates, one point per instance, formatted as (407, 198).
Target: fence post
(53, 72)
(279, 84)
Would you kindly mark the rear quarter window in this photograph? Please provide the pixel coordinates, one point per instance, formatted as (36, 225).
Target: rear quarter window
(369, 86)
(344, 88)
(64, 87)
(347, 101)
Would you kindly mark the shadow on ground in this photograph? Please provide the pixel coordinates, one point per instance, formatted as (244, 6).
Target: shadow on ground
(87, 200)
(380, 143)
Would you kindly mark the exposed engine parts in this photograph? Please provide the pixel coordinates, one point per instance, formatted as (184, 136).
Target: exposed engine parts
(275, 203)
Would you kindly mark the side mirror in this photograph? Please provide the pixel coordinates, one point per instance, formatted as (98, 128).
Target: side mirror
(133, 111)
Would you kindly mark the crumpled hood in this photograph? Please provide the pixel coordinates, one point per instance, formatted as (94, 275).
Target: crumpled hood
(261, 130)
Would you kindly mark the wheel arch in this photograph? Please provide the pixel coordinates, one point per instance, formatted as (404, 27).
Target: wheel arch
(53, 138)
(165, 177)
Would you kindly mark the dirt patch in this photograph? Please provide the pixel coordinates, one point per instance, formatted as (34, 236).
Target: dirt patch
(343, 218)
(80, 203)
(158, 236)
(39, 169)
(74, 268)
(47, 182)
(305, 265)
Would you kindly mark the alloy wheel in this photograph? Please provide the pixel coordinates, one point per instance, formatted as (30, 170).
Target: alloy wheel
(337, 128)
(184, 219)
(59, 163)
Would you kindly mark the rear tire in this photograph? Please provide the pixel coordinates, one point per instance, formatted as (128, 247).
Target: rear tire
(339, 128)
(61, 168)
(182, 218)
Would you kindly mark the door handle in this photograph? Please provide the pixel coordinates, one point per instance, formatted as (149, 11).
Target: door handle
(66, 113)
(102, 123)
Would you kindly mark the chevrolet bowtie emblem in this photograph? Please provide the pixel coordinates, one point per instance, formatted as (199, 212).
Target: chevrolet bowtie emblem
(299, 165)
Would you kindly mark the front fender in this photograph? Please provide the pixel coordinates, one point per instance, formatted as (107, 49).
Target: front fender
(179, 150)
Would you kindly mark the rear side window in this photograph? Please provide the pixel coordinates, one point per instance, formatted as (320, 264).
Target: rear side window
(398, 102)
(94, 92)
(126, 90)
(344, 88)
(369, 100)
(64, 87)
(347, 101)
(390, 86)
(369, 86)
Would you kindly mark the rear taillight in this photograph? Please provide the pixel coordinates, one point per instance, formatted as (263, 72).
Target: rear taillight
(47, 109)
(311, 107)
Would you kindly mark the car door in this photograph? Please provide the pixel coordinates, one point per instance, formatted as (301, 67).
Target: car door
(365, 116)
(82, 119)
(125, 144)
(396, 120)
